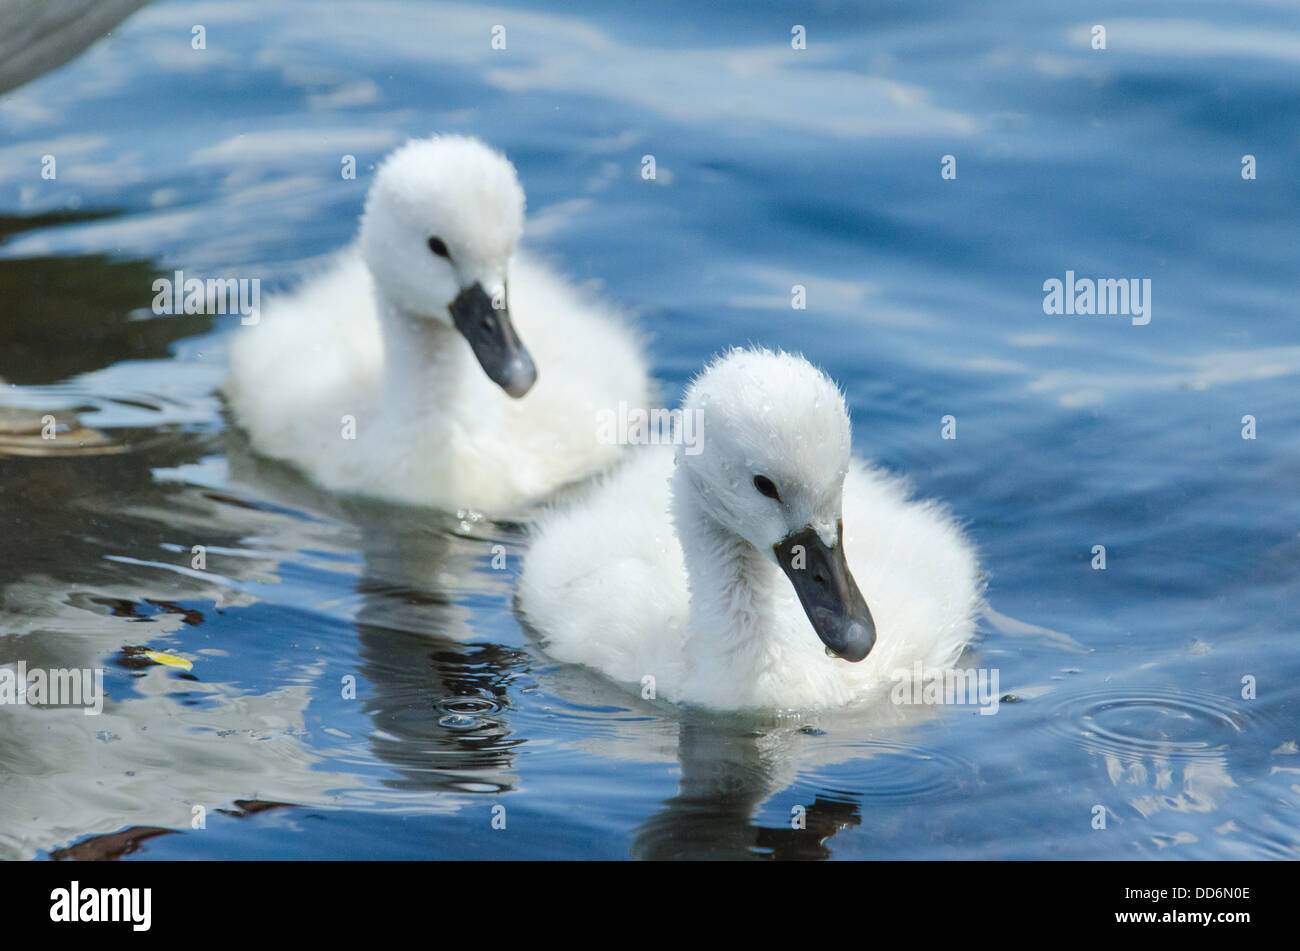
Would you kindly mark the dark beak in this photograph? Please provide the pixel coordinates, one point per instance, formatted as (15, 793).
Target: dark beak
(828, 593)
(492, 337)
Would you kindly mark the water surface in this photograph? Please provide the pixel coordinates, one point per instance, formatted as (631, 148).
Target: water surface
(775, 167)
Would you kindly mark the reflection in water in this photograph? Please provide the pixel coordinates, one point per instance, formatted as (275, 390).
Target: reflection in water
(436, 691)
(409, 602)
(728, 771)
(86, 315)
(440, 705)
(735, 767)
(104, 565)
(166, 741)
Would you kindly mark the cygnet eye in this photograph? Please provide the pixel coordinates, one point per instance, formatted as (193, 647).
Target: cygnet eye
(439, 247)
(766, 486)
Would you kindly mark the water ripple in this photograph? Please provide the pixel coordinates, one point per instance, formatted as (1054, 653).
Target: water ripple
(468, 712)
(1136, 723)
(891, 772)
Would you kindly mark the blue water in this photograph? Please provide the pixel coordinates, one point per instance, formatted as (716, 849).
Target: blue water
(1129, 687)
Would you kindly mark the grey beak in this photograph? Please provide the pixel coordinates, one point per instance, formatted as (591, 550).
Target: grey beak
(492, 337)
(828, 593)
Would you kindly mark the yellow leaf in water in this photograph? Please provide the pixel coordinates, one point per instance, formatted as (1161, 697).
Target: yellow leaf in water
(171, 660)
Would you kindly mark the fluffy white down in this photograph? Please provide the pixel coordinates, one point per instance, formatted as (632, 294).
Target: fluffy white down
(606, 580)
(370, 338)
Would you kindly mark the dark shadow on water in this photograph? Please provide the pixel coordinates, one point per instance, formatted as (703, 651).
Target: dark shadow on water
(70, 315)
(117, 845)
(110, 848)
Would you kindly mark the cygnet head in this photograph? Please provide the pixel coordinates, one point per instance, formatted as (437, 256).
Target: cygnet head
(773, 452)
(442, 219)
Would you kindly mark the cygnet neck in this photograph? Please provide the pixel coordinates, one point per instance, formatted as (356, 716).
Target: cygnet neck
(734, 589)
(424, 359)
